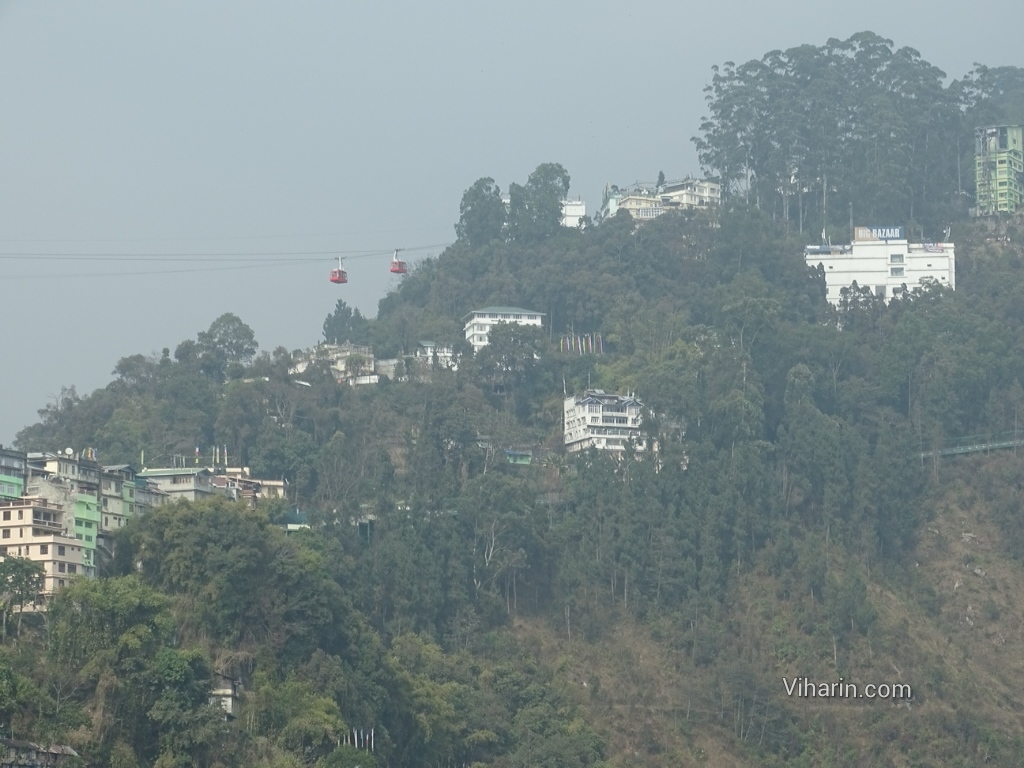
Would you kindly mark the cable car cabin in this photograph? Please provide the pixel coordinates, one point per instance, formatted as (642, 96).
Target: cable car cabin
(398, 267)
(339, 276)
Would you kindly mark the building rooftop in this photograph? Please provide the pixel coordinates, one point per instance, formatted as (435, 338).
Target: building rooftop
(174, 471)
(503, 311)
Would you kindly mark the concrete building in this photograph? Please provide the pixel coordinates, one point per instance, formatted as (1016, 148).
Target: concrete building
(71, 481)
(479, 322)
(572, 212)
(123, 495)
(599, 420)
(189, 483)
(13, 473)
(238, 484)
(648, 200)
(36, 529)
(881, 260)
(429, 354)
(350, 363)
(28, 754)
(999, 169)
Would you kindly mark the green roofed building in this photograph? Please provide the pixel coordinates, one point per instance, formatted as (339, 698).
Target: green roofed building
(999, 169)
(13, 473)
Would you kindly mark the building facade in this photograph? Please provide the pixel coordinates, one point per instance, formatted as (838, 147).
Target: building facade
(603, 421)
(189, 483)
(647, 200)
(71, 481)
(13, 473)
(573, 212)
(38, 530)
(883, 261)
(430, 354)
(999, 169)
(479, 322)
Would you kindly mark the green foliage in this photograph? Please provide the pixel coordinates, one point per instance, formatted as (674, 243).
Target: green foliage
(787, 482)
(481, 214)
(346, 324)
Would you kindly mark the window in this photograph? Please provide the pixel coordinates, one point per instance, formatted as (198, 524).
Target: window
(7, 533)
(21, 514)
(78, 535)
(88, 538)
(44, 549)
(62, 567)
(896, 271)
(7, 514)
(60, 550)
(78, 523)
(88, 523)
(896, 258)
(106, 521)
(72, 568)
(60, 582)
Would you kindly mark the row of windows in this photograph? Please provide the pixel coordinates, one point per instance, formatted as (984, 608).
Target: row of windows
(7, 514)
(44, 549)
(505, 316)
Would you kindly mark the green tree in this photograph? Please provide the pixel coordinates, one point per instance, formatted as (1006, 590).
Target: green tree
(535, 209)
(21, 582)
(482, 214)
(346, 324)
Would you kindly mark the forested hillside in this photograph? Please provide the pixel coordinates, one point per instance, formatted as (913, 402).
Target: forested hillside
(583, 610)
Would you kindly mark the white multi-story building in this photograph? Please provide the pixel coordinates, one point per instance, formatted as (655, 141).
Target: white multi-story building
(646, 200)
(599, 420)
(479, 322)
(883, 261)
(572, 212)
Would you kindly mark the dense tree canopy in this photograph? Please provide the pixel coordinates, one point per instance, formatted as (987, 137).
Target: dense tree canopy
(453, 601)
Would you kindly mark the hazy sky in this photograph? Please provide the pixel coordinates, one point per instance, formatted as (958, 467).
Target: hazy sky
(253, 127)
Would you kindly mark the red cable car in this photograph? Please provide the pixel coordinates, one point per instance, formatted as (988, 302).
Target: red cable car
(398, 267)
(339, 275)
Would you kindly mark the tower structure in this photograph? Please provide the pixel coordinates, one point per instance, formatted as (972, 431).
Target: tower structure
(999, 169)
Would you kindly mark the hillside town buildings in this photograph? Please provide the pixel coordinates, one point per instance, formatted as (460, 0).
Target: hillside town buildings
(61, 510)
(883, 261)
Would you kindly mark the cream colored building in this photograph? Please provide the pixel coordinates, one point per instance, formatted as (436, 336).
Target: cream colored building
(36, 529)
(646, 200)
